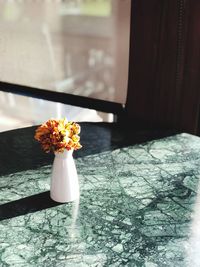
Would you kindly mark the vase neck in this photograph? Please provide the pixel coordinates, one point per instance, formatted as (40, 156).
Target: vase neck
(65, 154)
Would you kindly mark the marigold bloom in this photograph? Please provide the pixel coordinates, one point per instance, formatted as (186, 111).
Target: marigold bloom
(58, 135)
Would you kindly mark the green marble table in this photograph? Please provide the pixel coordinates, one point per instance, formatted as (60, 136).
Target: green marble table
(138, 205)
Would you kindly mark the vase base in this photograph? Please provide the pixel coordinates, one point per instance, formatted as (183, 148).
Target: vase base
(64, 200)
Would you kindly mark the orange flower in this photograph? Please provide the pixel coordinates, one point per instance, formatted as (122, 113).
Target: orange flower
(58, 135)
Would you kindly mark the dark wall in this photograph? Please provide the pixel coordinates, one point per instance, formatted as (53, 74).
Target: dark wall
(164, 74)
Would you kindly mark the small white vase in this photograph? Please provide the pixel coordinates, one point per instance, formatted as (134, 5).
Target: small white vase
(64, 179)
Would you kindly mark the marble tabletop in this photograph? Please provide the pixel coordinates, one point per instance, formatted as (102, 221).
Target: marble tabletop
(139, 203)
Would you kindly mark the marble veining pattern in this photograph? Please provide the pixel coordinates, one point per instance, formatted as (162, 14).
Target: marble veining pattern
(135, 209)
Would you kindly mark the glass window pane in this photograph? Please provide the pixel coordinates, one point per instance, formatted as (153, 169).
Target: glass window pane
(20, 111)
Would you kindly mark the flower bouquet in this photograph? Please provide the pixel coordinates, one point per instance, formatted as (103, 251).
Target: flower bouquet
(58, 135)
(61, 137)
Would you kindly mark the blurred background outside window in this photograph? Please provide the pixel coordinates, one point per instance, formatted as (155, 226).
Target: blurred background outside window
(79, 47)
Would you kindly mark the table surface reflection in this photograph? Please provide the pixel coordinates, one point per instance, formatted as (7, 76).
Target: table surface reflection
(138, 203)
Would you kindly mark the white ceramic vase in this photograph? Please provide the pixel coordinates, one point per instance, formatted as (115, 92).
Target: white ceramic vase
(64, 179)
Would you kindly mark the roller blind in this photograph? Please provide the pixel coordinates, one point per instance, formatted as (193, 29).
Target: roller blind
(78, 47)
